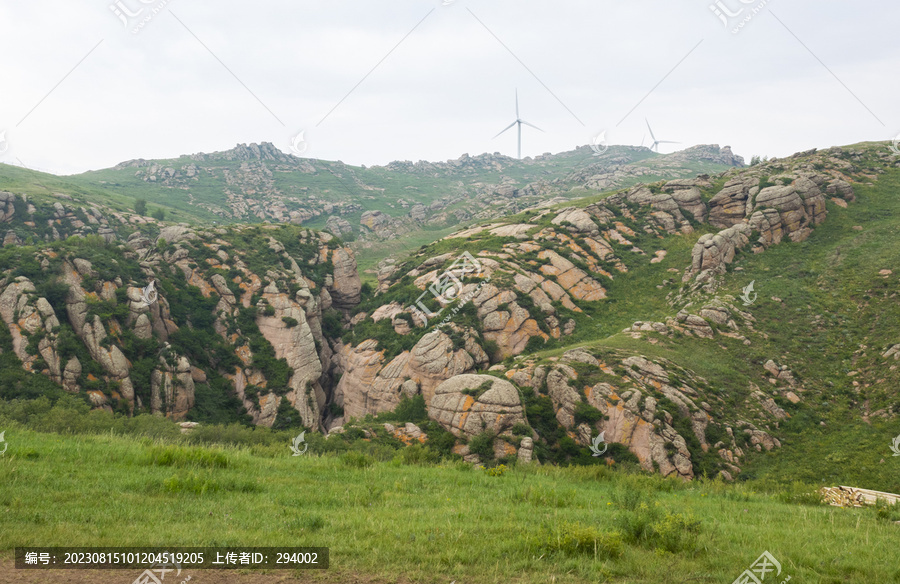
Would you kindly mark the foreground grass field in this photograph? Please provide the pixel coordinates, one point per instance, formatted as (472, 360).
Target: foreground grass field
(430, 523)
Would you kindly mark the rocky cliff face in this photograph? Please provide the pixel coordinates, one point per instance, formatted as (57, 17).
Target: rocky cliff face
(85, 316)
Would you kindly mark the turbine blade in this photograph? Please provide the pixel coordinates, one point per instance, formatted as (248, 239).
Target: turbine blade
(667, 142)
(649, 128)
(517, 103)
(506, 128)
(532, 125)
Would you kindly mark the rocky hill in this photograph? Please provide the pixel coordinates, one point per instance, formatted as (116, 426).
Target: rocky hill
(524, 336)
(543, 279)
(259, 182)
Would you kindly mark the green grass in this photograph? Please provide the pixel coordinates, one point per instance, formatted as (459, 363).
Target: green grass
(433, 523)
(368, 256)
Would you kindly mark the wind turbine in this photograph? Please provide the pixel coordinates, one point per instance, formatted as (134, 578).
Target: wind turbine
(519, 121)
(656, 142)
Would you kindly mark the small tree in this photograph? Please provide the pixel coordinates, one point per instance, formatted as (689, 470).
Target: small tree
(140, 207)
(159, 215)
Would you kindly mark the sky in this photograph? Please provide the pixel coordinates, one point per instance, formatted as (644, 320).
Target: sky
(87, 84)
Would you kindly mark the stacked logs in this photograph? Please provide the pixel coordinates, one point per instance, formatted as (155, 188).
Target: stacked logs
(853, 497)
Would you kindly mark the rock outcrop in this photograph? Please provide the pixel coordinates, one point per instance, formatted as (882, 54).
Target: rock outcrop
(468, 405)
(369, 385)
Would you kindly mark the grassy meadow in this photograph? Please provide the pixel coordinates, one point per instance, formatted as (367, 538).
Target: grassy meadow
(385, 516)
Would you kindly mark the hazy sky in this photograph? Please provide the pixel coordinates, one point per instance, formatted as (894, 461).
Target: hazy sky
(371, 82)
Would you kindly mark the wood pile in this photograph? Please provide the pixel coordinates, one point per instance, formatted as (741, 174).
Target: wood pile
(853, 497)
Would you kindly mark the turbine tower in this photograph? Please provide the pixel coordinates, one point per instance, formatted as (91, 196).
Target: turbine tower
(656, 142)
(519, 121)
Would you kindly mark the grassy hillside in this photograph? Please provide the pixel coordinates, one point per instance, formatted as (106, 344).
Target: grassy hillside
(828, 311)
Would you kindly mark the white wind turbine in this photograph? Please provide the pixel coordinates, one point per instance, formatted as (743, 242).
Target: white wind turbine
(656, 142)
(519, 121)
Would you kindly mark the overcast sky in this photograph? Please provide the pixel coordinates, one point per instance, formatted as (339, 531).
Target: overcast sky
(371, 81)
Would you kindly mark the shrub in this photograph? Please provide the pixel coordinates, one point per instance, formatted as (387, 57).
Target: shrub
(492, 349)
(417, 454)
(287, 417)
(579, 539)
(483, 446)
(331, 324)
(357, 459)
(289, 321)
(408, 410)
(477, 392)
(534, 345)
(587, 414)
(521, 429)
(646, 525)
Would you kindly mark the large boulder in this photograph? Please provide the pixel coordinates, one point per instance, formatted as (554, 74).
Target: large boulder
(368, 385)
(468, 405)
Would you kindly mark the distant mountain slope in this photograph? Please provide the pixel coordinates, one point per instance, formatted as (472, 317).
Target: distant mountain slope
(261, 183)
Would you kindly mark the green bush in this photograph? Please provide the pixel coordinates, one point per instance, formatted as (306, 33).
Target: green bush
(534, 345)
(587, 414)
(357, 459)
(331, 324)
(492, 349)
(287, 417)
(417, 454)
(578, 539)
(477, 392)
(408, 410)
(646, 524)
(521, 429)
(483, 446)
